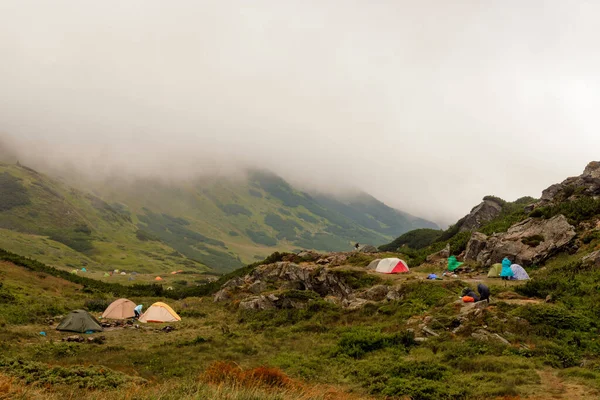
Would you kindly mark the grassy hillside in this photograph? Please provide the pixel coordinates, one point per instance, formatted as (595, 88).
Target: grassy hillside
(225, 222)
(68, 228)
(320, 352)
(153, 226)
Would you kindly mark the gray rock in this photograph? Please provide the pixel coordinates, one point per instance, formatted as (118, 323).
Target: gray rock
(486, 211)
(556, 232)
(592, 259)
(429, 331)
(257, 303)
(354, 304)
(376, 293)
(235, 282)
(368, 249)
(257, 287)
(222, 295)
(482, 334)
(440, 255)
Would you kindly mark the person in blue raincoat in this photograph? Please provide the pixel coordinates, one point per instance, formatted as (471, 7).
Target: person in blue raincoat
(506, 273)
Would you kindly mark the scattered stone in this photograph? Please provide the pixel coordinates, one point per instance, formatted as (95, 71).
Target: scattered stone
(222, 295)
(420, 339)
(354, 304)
(168, 329)
(257, 303)
(74, 338)
(500, 338)
(592, 259)
(96, 339)
(376, 293)
(429, 331)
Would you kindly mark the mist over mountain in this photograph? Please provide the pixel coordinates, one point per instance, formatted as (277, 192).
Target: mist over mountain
(427, 107)
(216, 222)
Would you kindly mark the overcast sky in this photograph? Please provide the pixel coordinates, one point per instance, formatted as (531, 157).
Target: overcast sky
(427, 105)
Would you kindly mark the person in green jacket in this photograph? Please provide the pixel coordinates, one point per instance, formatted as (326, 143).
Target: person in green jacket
(506, 272)
(453, 263)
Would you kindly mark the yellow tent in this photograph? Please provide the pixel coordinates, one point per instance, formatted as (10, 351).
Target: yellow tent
(160, 312)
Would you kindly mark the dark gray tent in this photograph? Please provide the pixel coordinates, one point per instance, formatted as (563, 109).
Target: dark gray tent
(79, 321)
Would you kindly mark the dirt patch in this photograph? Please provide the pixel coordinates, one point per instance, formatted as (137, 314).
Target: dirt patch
(553, 387)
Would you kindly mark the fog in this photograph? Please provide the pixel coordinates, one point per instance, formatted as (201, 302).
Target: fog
(426, 105)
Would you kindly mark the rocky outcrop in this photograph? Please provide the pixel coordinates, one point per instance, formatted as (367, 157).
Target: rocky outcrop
(586, 184)
(592, 259)
(486, 211)
(283, 276)
(368, 249)
(376, 293)
(257, 303)
(528, 242)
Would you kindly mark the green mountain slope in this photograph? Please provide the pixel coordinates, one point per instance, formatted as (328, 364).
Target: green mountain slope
(150, 225)
(66, 227)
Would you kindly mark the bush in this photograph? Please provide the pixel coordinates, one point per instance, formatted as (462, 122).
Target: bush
(96, 377)
(356, 279)
(359, 341)
(98, 305)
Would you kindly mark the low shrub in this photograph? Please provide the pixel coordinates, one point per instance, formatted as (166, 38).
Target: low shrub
(359, 341)
(223, 372)
(98, 305)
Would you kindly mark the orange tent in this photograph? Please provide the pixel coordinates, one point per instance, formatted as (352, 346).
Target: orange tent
(158, 278)
(173, 273)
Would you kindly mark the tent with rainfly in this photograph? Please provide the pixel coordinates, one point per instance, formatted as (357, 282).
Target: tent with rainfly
(389, 266)
(495, 270)
(79, 321)
(519, 272)
(160, 312)
(120, 309)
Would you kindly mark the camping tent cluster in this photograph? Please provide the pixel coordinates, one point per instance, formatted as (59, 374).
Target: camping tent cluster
(83, 322)
(389, 266)
(518, 272)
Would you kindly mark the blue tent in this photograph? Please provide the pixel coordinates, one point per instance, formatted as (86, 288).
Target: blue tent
(83, 269)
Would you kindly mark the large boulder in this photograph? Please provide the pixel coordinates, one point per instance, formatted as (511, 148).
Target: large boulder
(286, 275)
(528, 242)
(486, 211)
(587, 184)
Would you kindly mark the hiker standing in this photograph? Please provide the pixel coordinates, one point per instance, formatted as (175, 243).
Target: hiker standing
(506, 273)
(356, 246)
